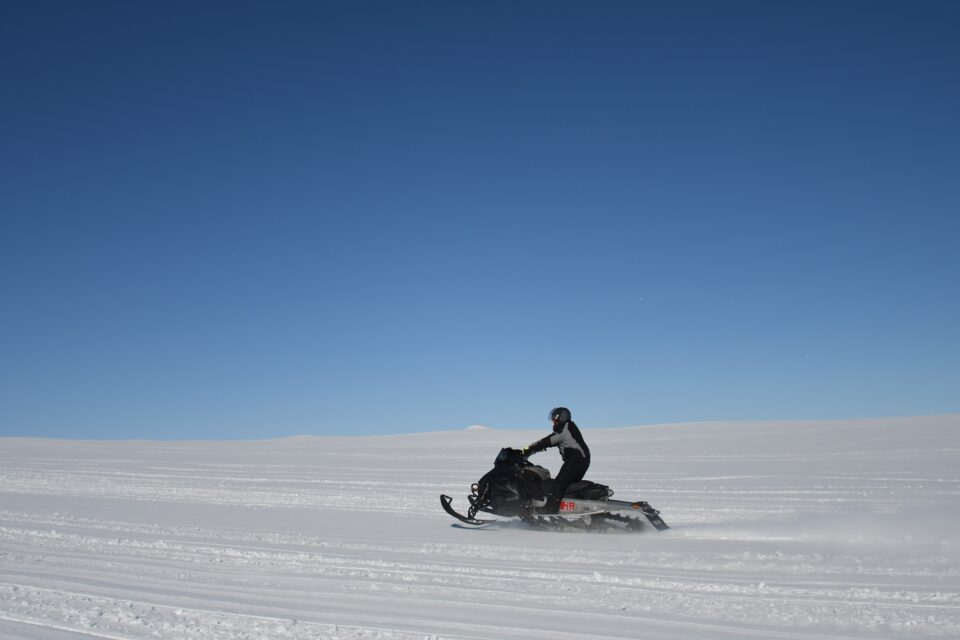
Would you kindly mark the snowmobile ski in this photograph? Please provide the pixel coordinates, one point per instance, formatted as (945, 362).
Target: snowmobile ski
(477, 522)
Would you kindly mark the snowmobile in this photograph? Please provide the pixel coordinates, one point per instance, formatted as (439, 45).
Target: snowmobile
(517, 488)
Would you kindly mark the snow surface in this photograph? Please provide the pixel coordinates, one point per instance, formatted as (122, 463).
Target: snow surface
(780, 530)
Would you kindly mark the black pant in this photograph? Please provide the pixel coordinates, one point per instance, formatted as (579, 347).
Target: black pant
(573, 469)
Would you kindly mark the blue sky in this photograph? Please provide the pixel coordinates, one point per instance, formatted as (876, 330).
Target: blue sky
(256, 219)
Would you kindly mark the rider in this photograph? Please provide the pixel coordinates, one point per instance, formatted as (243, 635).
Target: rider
(573, 449)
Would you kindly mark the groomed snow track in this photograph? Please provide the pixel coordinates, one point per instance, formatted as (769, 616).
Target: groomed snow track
(790, 531)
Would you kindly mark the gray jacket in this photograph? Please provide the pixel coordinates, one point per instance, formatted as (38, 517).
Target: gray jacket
(568, 438)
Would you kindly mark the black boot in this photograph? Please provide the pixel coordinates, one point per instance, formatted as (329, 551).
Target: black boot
(552, 506)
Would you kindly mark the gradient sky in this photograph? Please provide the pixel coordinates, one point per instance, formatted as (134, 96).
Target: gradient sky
(258, 219)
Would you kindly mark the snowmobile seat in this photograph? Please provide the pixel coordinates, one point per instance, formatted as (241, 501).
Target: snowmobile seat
(586, 490)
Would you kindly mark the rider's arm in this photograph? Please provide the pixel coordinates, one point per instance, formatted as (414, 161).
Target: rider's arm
(541, 444)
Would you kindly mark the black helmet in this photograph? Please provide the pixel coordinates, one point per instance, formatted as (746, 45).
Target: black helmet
(561, 415)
